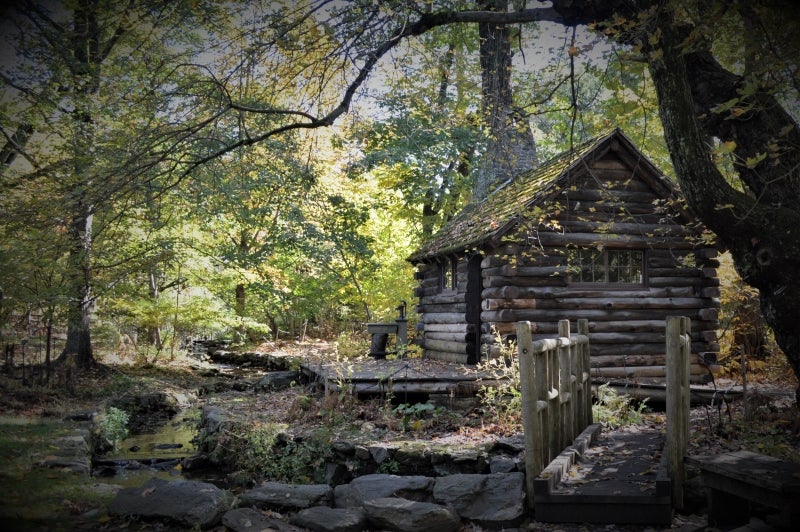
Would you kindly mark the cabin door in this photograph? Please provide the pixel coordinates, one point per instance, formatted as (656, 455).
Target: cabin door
(473, 300)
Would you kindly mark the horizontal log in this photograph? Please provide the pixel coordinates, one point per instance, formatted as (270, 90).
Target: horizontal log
(708, 314)
(510, 270)
(614, 208)
(583, 211)
(674, 270)
(551, 292)
(709, 291)
(448, 336)
(495, 304)
(448, 346)
(707, 253)
(420, 292)
(625, 361)
(446, 356)
(639, 349)
(499, 280)
(513, 315)
(614, 303)
(506, 292)
(429, 282)
(612, 168)
(442, 307)
(708, 336)
(626, 228)
(443, 298)
(608, 303)
(658, 282)
(633, 337)
(605, 361)
(443, 317)
(614, 240)
(501, 328)
(613, 195)
(449, 327)
(634, 372)
(624, 326)
(492, 261)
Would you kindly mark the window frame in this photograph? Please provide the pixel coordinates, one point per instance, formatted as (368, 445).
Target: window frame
(448, 274)
(576, 263)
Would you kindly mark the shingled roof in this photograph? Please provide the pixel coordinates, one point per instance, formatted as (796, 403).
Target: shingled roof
(496, 215)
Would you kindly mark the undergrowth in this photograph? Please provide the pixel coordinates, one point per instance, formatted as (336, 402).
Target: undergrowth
(614, 409)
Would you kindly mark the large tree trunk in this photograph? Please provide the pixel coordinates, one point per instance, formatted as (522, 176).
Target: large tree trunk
(761, 229)
(511, 148)
(154, 331)
(86, 56)
(79, 314)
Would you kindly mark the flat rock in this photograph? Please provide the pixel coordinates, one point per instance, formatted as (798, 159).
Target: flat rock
(188, 502)
(248, 519)
(376, 486)
(325, 519)
(495, 501)
(282, 496)
(277, 380)
(403, 515)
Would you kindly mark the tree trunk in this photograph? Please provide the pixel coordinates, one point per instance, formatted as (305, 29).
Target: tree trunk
(85, 79)
(761, 233)
(79, 341)
(511, 147)
(154, 331)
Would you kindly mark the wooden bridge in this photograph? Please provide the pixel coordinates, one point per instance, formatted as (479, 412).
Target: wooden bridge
(576, 472)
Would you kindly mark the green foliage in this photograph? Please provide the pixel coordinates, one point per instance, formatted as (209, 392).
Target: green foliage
(352, 345)
(113, 426)
(743, 329)
(503, 402)
(263, 450)
(614, 409)
(412, 415)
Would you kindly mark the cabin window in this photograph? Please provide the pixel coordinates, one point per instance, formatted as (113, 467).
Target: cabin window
(448, 280)
(609, 266)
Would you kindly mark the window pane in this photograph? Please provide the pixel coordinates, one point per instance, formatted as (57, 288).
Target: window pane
(608, 266)
(445, 276)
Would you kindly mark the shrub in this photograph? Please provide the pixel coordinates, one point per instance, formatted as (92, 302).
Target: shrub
(113, 426)
(614, 409)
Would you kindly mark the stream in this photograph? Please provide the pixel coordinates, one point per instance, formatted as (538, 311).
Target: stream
(157, 453)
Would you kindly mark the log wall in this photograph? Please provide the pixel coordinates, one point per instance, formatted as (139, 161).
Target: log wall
(444, 333)
(607, 207)
(526, 277)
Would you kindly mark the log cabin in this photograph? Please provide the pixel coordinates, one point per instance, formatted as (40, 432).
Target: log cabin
(596, 233)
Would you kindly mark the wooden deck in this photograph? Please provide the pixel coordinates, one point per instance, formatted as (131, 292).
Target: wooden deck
(737, 481)
(607, 476)
(408, 375)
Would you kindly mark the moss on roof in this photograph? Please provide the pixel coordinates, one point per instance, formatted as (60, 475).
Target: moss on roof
(492, 217)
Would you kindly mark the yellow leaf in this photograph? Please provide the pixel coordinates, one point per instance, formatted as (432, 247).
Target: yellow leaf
(727, 147)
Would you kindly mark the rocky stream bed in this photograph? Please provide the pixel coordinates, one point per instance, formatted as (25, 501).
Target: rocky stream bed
(459, 472)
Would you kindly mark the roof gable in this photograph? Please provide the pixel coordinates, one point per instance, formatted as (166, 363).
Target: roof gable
(497, 214)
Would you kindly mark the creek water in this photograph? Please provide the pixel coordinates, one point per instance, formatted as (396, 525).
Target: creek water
(156, 453)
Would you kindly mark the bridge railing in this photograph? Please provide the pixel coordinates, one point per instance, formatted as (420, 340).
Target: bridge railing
(556, 393)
